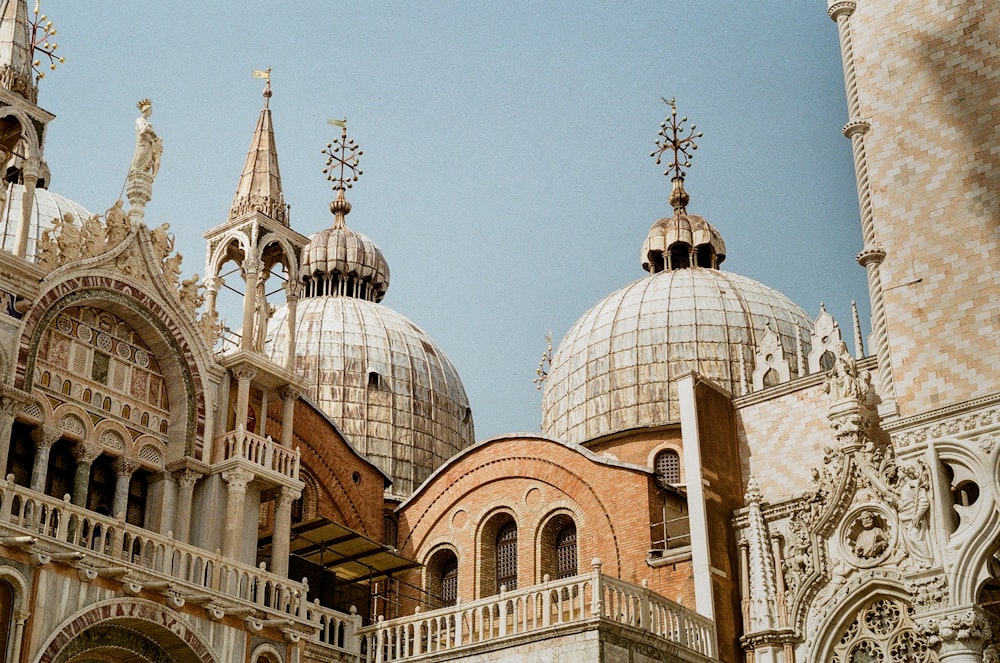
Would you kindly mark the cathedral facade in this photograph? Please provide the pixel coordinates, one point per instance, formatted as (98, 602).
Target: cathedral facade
(717, 478)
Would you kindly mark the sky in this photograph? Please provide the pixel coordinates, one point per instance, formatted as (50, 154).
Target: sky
(507, 176)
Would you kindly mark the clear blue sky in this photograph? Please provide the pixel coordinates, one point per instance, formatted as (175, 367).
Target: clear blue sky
(507, 176)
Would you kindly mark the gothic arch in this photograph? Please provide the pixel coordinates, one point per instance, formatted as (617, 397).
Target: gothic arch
(105, 624)
(28, 132)
(183, 376)
(285, 256)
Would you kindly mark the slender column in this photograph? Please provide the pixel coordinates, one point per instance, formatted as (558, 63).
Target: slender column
(44, 437)
(212, 285)
(282, 534)
(288, 398)
(251, 267)
(237, 481)
(85, 455)
(20, 619)
(30, 177)
(293, 291)
(186, 479)
(243, 377)
(7, 407)
(124, 468)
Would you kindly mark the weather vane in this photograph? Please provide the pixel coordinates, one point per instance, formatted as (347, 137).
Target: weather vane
(41, 31)
(671, 135)
(342, 159)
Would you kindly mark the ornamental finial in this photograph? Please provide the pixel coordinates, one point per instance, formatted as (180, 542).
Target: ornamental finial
(672, 138)
(41, 44)
(341, 169)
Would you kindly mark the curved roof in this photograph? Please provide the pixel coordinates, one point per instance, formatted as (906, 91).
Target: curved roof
(615, 368)
(390, 388)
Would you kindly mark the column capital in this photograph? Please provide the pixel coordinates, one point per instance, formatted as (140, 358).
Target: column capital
(285, 496)
(289, 393)
(294, 290)
(125, 466)
(86, 453)
(187, 477)
(244, 372)
(238, 479)
(841, 8)
(957, 632)
(45, 436)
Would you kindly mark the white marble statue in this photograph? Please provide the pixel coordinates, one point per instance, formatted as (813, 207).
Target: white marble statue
(148, 146)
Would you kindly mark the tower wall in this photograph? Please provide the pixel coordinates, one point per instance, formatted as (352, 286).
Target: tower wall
(927, 74)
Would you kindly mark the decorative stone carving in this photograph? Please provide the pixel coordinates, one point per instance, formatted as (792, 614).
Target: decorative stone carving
(928, 593)
(69, 239)
(190, 294)
(47, 251)
(844, 382)
(770, 357)
(825, 337)
(95, 237)
(869, 536)
(162, 240)
(172, 269)
(966, 629)
(798, 562)
(118, 224)
(211, 327)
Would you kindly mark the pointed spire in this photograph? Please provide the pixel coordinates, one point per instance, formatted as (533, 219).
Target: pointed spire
(15, 50)
(260, 184)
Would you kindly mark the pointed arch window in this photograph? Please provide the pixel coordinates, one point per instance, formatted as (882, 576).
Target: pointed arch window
(506, 556)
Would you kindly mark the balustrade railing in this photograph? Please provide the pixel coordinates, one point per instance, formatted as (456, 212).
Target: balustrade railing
(588, 596)
(262, 451)
(141, 557)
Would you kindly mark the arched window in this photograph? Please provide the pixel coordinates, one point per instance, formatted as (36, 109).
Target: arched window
(668, 467)
(506, 556)
(390, 530)
(449, 581)
(61, 470)
(566, 551)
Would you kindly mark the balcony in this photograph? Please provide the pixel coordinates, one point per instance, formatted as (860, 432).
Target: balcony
(544, 613)
(268, 460)
(49, 530)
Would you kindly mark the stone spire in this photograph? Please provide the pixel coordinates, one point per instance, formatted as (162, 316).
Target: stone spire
(260, 184)
(15, 50)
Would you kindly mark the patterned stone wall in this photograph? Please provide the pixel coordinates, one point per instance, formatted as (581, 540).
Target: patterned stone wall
(928, 72)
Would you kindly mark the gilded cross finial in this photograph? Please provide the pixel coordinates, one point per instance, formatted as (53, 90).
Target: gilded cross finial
(672, 138)
(342, 159)
(41, 32)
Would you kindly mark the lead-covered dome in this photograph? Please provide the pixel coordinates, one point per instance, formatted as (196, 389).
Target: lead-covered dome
(616, 367)
(388, 386)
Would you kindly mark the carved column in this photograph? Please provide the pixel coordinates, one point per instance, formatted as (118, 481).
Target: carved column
(288, 398)
(237, 481)
(282, 534)
(958, 636)
(243, 377)
(124, 468)
(44, 437)
(85, 455)
(8, 406)
(251, 267)
(872, 255)
(186, 479)
(212, 285)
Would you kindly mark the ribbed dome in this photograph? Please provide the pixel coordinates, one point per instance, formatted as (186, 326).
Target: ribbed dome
(46, 208)
(386, 383)
(615, 368)
(340, 261)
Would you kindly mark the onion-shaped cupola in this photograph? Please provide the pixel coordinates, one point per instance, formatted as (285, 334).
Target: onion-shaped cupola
(616, 368)
(389, 387)
(681, 240)
(339, 261)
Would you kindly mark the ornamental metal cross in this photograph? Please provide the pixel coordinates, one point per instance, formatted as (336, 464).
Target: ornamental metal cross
(342, 160)
(41, 29)
(670, 134)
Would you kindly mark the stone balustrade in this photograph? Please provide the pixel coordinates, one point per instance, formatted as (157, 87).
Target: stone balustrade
(591, 596)
(261, 451)
(51, 529)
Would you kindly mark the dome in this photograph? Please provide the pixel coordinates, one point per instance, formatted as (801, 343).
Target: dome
(615, 368)
(47, 207)
(392, 391)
